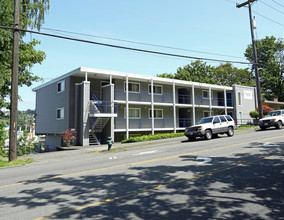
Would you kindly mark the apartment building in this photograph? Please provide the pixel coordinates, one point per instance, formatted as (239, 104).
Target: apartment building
(102, 103)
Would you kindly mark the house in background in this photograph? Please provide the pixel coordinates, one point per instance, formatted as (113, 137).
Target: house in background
(275, 104)
(101, 103)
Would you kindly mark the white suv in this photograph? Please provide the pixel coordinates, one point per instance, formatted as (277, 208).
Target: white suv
(211, 126)
(274, 118)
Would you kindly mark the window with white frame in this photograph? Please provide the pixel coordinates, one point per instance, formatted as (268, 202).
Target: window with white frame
(239, 98)
(205, 94)
(157, 89)
(132, 87)
(206, 114)
(158, 113)
(61, 86)
(134, 113)
(60, 113)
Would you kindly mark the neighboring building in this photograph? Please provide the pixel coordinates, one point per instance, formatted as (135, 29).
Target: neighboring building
(275, 104)
(101, 103)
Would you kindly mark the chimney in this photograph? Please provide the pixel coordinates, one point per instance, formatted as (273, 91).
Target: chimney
(275, 99)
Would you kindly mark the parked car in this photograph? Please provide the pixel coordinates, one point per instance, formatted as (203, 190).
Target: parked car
(272, 119)
(211, 126)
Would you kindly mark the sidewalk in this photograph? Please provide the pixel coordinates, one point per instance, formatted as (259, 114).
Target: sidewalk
(76, 151)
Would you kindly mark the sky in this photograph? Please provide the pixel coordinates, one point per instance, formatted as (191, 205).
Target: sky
(214, 29)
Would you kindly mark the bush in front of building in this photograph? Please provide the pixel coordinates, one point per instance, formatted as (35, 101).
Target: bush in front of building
(254, 114)
(25, 145)
(3, 137)
(152, 137)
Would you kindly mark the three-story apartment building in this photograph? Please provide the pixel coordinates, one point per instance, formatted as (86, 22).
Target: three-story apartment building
(101, 103)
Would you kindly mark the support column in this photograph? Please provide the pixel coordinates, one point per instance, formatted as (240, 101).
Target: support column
(112, 111)
(174, 107)
(127, 109)
(225, 101)
(152, 107)
(210, 101)
(82, 126)
(193, 105)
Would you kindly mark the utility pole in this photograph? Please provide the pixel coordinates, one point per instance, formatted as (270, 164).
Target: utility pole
(14, 85)
(259, 99)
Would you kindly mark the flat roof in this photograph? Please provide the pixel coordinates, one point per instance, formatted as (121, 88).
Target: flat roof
(100, 73)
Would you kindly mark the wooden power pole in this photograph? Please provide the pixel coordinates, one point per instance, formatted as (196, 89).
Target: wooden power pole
(259, 99)
(14, 85)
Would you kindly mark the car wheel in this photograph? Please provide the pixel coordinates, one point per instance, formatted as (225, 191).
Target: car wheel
(279, 125)
(208, 134)
(230, 132)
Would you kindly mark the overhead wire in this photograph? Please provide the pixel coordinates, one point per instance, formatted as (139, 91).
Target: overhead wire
(262, 15)
(141, 43)
(272, 7)
(127, 48)
(278, 3)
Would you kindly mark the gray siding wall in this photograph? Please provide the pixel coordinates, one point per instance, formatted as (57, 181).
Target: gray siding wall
(51, 142)
(145, 121)
(247, 95)
(143, 95)
(48, 100)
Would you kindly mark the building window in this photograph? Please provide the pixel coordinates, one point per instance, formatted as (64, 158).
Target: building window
(239, 99)
(60, 113)
(134, 113)
(158, 113)
(61, 86)
(156, 89)
(132, 87)
(205, 94)
(206, 114)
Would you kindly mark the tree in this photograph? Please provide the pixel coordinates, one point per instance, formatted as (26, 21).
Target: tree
(197, 71)
(224, 74)
(227, 75)
(270, 52)
(31, 16)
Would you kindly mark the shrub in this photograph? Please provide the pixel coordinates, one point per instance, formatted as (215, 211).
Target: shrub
(254, 114)
(68, 136)
(152, 137)
(25, 145)
(3, 137)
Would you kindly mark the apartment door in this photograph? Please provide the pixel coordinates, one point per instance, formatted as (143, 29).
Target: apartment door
(184, 117)
(184, 96)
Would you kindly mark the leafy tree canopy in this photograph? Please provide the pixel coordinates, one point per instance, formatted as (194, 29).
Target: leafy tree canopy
(31, 16)
(224, 74)
(270, 52)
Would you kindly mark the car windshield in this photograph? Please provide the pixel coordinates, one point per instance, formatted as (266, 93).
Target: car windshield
(206, 120)
(275, 113)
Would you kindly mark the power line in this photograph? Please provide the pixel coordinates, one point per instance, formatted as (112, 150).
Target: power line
(141, 43)
(271, 7)
(126, 48)
(268, 18)
(264, 17)
(278, 3)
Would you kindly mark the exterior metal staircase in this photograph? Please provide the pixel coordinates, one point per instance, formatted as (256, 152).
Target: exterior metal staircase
(97, 124)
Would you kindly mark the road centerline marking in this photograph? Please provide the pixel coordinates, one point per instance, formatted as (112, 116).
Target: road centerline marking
(135, 163)
(201, 175)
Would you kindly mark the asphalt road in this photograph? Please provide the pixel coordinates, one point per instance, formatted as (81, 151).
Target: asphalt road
(239, 177)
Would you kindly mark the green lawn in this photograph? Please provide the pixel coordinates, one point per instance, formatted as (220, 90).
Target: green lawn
(246, 127)
(15, 162)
